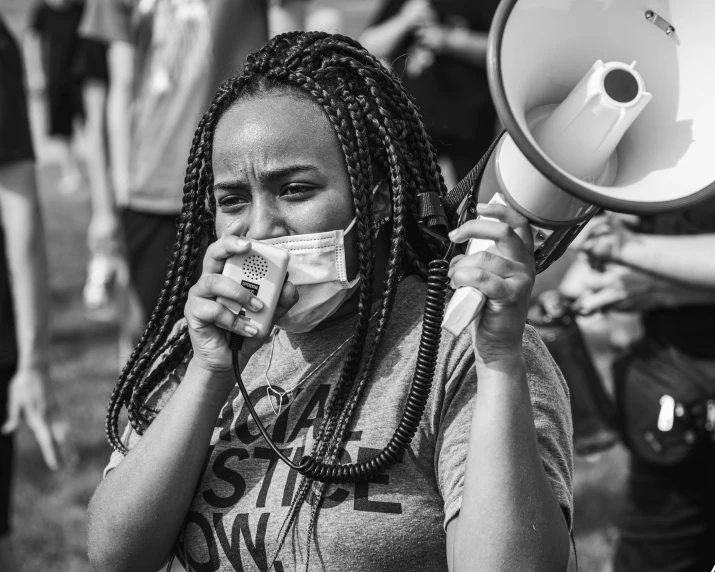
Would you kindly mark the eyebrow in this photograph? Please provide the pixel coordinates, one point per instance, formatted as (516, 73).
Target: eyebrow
(270, 175)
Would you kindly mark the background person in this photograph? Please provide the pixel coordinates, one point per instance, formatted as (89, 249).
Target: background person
(438, 48)
(165, 58)
(104, 239)
(664, 268)
(25, 389)
(54, 25)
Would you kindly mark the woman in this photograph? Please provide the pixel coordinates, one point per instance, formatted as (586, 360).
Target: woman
(318, 140)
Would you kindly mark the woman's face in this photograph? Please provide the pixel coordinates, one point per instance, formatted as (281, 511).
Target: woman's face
(278, 168)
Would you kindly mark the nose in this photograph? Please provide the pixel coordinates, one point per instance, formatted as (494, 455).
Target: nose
(264, 221)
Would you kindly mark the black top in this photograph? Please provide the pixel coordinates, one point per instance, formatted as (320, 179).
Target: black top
(15, 138)
(689, 328)
(57, 28)
(452, 94)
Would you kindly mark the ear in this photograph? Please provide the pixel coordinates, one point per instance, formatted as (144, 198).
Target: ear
(381, 203)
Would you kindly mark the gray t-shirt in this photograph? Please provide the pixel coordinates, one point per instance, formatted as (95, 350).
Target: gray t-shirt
(397, 521)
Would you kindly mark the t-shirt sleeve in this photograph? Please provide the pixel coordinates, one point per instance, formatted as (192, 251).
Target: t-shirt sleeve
(455, 419)
(552, 419)
(107, 21)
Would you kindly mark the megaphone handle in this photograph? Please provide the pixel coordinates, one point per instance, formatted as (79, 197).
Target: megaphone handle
(467, 303)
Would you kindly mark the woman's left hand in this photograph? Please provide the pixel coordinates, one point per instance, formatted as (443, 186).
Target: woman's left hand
(504, 273)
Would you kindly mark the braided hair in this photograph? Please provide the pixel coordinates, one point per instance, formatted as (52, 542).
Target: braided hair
(381, 135)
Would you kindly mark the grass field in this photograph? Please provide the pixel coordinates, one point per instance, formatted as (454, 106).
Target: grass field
(50, 508)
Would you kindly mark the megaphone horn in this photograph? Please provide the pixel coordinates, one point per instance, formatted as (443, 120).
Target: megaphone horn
(635, 134)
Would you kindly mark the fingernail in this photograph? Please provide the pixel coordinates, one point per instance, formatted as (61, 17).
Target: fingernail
(241, 242)
(453, 233)
(256, 304)
(250, 330)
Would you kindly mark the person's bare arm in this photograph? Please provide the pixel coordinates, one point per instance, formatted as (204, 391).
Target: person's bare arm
(32, 48)
(461, 43)
(625, 288)
(509, 518)
(135, 514)
(120, 60)
(686, 259)
(30, 394)
(103, 234)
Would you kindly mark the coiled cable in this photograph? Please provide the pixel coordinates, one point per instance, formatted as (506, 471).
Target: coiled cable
(437, 285)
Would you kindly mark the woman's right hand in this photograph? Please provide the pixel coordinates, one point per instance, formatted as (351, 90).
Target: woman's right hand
(210, 323)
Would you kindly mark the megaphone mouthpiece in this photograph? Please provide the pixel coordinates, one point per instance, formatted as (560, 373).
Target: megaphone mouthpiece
(582, 132)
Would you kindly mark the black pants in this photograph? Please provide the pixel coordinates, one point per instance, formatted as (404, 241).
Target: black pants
(149, 239)
(668, 521)
(6, 452)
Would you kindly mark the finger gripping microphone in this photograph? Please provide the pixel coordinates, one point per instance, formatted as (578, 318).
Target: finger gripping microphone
(581, 134)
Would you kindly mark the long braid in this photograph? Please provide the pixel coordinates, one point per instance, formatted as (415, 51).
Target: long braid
(381, 135)
(329, 448)
(142, 357)
(390, 289)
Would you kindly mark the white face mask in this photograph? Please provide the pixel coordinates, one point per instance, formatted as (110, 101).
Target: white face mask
(317, 267)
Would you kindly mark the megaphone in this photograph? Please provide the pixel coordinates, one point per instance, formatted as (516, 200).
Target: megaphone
(606, 104)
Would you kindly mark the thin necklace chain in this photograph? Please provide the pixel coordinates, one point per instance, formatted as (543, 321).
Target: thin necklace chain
(280, 395)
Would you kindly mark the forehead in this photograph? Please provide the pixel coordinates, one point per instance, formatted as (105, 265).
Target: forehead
(271, 130)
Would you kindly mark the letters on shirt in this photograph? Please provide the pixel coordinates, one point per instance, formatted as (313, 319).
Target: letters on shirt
(240, 445)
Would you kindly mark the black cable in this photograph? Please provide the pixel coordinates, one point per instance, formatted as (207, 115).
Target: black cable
(236, 343)
(437, 285)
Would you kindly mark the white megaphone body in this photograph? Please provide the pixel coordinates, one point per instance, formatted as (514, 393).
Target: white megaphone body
(606, 104)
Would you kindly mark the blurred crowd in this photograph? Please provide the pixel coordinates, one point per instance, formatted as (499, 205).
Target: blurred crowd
(132, 77)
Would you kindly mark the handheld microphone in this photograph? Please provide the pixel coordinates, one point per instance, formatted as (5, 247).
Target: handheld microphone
(262, 270)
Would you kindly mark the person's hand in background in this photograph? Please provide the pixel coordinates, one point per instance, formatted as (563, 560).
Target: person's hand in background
(30, 397)
(625, 289)
(602, 240)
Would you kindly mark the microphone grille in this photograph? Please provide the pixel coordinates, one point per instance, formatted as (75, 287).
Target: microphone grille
(255, 267)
